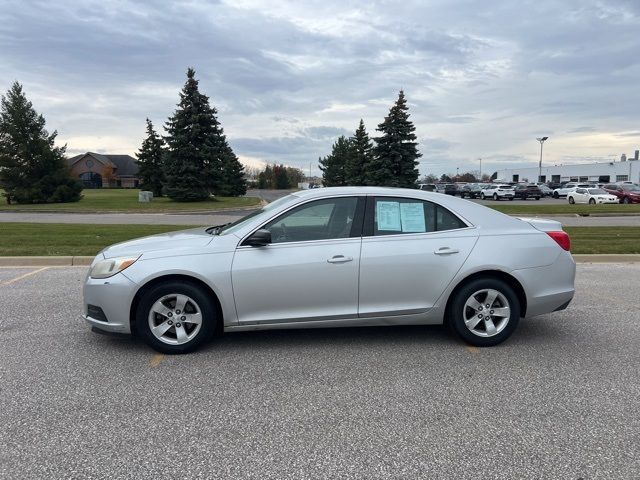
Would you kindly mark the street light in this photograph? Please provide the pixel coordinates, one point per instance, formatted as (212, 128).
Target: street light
(541, 140)
(480, 169)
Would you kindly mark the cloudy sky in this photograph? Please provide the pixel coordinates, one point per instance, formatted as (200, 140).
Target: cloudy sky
(483, 78)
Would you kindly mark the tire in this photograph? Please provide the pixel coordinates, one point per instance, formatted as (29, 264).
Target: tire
(592, 201)
(482, 196)
(460, 313)
(625, 200)
(571, 200)
(537, 198)
(495, 196)
(555, 195)
(164, 297)
(511, 199)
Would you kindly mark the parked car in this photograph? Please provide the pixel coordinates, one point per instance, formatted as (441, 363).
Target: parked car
(591, 196)
(625, 193)
(337, 256)
(546, 191)
(471, 190)
(447, 188)
(568, 187)
(497, 192)
(525, 191)
(427, 187)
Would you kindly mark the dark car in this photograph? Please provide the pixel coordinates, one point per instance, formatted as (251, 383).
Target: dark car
(528, 191)
(626, 193)
(471, 190)
(447, 188)
(546, 191)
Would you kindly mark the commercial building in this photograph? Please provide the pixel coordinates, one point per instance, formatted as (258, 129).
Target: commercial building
(97, 170)
(602, 172)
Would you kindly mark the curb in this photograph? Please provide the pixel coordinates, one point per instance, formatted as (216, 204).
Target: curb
(53, 261)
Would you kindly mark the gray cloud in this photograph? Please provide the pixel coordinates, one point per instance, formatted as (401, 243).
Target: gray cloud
(289, 78)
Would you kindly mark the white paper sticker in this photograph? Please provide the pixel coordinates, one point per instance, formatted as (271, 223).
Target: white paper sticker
(388, 216)
(412, 217)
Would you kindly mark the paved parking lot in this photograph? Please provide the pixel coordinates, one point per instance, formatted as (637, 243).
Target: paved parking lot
(558, 400)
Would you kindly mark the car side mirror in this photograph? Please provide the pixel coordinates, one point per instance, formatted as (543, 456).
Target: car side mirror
(260, 238)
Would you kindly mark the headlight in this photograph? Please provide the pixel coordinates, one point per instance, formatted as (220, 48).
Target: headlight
(110, 266)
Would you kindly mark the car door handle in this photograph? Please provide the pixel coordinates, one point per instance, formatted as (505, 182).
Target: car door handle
(446, 251)
(339, 259)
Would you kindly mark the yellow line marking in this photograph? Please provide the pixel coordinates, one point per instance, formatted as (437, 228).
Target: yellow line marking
(471, 349)
(13, 280)
(156, 359)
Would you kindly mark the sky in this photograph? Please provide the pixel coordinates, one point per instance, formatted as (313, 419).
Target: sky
(483, 79)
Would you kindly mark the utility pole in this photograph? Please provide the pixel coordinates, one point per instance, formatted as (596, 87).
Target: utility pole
(541, 140)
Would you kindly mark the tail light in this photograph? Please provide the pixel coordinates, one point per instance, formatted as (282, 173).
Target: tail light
(562, 239)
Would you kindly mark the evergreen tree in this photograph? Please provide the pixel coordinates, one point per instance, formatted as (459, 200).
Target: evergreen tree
(232, 182)
(333, 166)
(395, 154)
(150, 161)
(359, 157)
(32, 168)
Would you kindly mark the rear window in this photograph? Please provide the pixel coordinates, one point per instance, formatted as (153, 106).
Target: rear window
(393, 216)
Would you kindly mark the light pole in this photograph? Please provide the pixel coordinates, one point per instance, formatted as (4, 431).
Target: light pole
(480, 169)
(541, 140)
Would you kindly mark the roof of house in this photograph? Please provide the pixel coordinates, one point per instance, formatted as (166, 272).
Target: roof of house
(124, 165)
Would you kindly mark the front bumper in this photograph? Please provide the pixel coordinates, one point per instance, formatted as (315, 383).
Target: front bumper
(114, 296)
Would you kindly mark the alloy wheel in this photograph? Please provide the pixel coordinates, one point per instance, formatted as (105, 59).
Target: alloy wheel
(175, 319)
(486, 313)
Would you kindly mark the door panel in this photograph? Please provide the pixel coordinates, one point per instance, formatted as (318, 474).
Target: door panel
(298, 281)
(403, 274)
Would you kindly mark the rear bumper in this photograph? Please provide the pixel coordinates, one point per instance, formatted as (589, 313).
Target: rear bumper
(550, 288)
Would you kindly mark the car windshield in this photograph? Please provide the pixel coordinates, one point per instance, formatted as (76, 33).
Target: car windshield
(241, 222)
(631, 188)
(596, 191)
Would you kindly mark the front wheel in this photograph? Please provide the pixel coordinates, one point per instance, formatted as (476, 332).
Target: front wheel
(592, 201)
(484, 312)
(482, 196)
(495, 196)
(175, 317)
(625, 200)
(555, 195)
(571, 200)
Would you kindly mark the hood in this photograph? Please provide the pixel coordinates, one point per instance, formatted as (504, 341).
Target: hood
(173, 241)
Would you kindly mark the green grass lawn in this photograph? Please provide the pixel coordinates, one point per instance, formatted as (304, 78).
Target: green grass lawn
(535, 208)
(81, 239)
(126, 200)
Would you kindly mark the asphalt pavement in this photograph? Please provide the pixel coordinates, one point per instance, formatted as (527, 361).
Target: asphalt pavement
(558, 400)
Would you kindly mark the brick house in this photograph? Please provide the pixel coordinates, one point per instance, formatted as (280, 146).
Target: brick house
(97, 170)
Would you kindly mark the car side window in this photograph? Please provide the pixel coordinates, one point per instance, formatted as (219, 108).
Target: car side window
(319, 220)
(393, 216)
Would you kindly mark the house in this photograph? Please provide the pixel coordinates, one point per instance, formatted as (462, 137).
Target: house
(98, 170)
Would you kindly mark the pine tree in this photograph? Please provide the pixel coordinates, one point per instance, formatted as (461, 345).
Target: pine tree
(232, 182)
(359, 158)
(395, 155)
(150, 161)
(32, 168)
(333, 166)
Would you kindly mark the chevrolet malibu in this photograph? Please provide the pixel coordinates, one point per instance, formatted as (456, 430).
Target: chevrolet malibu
(345, 256)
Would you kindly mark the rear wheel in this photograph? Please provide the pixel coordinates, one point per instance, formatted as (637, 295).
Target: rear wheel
(571, 200)
(555, 195)
(511, 199)
(537, 198)
(484, 312)
(592, 201)
(482, 196)
(495, 196)
(625, 200)
(175, 317)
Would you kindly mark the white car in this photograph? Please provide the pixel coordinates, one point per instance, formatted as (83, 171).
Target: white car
(569, 187)
(339, 256)
(591, 196)
(498, 192)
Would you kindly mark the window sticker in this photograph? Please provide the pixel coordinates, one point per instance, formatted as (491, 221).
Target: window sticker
(412, 217)
(388, 216)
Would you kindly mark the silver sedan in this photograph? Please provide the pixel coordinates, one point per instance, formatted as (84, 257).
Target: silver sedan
(331, 257)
